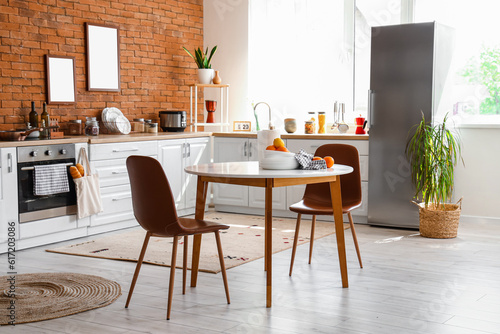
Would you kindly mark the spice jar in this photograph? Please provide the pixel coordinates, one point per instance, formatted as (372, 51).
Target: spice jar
(138, 125)
(153, 127)
(321, 122)
(312, 117)
(91, 126)
(75, 127)
(309, 127)
(147, 122)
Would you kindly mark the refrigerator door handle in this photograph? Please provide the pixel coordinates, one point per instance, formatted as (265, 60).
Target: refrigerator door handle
(370, 106)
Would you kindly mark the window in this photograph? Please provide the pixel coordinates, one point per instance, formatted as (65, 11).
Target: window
(300, 56)
(475, 93)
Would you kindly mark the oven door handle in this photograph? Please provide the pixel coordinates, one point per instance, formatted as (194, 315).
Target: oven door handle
(33, 168)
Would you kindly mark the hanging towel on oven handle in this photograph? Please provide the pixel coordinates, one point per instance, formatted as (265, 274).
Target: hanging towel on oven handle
(88, 194)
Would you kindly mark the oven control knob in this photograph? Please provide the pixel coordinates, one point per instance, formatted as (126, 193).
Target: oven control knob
(33, 153)
(63, 151)
(48, 152)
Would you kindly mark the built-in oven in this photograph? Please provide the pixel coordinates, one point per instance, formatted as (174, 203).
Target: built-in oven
(31, 206)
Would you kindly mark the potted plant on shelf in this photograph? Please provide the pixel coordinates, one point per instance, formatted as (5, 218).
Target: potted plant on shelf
(433, 152)
(202, 60)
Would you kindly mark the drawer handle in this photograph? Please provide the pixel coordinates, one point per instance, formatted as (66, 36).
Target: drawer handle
(121, 198)
(124, 172)
(128, 150)
(33, 168)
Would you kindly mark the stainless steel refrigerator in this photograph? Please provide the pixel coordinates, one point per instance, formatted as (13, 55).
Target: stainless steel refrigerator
(409, 69)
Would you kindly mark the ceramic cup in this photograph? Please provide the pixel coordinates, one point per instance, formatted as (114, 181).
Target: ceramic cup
(290, 125)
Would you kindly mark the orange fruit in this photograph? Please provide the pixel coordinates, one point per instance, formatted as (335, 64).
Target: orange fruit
(278, 142)
(282, 149)
(271, 148)
(329, 161)
(317, 158)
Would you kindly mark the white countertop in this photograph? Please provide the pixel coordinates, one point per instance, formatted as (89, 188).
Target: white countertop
(251, 169)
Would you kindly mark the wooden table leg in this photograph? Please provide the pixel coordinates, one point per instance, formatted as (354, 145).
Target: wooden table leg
(339, 228)
(201, 196)
(269, 241)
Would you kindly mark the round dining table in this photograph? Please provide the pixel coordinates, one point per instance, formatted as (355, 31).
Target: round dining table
(249, 173)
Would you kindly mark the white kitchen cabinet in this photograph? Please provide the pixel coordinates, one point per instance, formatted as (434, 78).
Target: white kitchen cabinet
(176, 154)
(8, 196)
(109, 162)
(242, 149)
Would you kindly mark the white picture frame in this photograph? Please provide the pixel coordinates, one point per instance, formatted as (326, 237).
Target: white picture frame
(61, 81)
(103, 57)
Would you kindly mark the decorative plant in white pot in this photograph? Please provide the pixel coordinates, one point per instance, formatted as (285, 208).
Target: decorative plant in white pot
(202, 60)
(433, 152)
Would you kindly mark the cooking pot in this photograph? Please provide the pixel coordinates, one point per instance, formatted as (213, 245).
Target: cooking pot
(173, 121)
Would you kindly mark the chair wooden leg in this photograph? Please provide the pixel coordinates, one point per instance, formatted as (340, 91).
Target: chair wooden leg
(311, 241)
(353, 231)
(172, 276)
(222, 265)
(138, 267)
(184, 264)
(295, 238)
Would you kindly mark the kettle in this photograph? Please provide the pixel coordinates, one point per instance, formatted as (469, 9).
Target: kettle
(360, 125)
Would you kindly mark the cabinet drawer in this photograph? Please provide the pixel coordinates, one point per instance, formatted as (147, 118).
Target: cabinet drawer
(310, 145)
(122, 150)
(47, 226)
(111, 172)
(117, 205)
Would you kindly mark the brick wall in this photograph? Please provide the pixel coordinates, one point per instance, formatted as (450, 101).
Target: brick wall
(155, 71)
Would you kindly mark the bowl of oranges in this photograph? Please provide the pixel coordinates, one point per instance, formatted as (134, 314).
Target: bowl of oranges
(277, 156)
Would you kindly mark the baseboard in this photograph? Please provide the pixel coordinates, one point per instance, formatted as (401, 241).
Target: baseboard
(479, 219)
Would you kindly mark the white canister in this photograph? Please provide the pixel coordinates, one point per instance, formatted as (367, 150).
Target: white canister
(264, 139)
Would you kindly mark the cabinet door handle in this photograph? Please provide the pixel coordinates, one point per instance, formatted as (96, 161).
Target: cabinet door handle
(9, 163)
(121, 198)
(250, 149)
(127, 150)
(245, 149)
(183, 150)
(189, 150)
(115, 172)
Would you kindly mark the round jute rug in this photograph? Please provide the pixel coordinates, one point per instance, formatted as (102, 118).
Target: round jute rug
(41, 296)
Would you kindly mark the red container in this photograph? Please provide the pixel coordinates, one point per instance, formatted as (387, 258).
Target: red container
(360, 121)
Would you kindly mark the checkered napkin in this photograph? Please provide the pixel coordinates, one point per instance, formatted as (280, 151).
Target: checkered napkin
(50, 179)
(306, 161)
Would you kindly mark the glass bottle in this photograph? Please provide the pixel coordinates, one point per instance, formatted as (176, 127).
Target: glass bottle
(45, 133)
(33, 116)
(321, 122)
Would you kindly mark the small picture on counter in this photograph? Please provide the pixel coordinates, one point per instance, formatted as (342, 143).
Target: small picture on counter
(244, 126)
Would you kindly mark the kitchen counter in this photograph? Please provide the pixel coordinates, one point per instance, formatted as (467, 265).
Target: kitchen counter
(107, 138)
(328, 136)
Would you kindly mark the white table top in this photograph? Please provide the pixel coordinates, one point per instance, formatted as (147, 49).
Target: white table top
(251, 169)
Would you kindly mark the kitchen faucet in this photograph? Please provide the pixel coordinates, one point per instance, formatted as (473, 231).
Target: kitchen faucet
(271, 126)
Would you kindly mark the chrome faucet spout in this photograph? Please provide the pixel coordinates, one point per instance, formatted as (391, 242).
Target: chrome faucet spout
(271, 126)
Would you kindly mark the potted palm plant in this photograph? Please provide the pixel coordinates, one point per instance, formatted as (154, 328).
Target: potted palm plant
(202, 60)
(433, 152)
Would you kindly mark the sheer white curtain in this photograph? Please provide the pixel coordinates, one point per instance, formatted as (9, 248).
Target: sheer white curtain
(299, 59)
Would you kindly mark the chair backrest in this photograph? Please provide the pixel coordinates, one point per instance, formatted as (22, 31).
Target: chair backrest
(349, 183)
(152, 199)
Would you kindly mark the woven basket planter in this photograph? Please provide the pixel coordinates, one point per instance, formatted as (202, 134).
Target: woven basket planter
(439, 223)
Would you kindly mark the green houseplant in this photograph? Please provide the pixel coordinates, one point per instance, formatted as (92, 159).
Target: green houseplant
(203, 61)
(433, 151)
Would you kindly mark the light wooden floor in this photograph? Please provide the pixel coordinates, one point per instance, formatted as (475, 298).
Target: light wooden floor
(409, 285)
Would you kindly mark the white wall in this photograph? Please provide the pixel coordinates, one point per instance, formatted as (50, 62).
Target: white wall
(479, 181)
(226, 25)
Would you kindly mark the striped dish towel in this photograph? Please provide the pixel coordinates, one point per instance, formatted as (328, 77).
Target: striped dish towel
(50, 179)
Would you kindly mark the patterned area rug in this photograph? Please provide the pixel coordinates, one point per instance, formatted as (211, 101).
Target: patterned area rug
(241, 243)
(42, 296)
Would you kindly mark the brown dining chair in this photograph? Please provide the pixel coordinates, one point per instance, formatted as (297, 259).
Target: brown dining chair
(317, 199)
(154, 209)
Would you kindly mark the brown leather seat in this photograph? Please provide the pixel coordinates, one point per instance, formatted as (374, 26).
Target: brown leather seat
(154, 209)
(317, 199)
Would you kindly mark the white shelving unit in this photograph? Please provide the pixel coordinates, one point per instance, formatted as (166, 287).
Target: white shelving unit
(222, 107)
